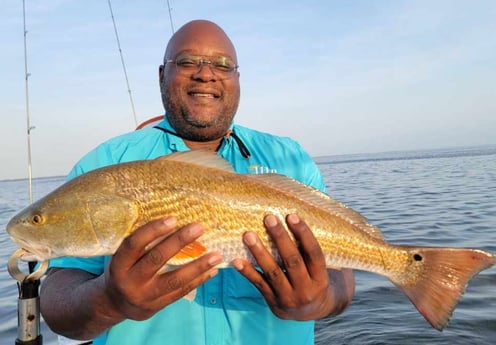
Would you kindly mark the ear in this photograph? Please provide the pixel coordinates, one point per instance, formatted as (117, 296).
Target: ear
(161, 76)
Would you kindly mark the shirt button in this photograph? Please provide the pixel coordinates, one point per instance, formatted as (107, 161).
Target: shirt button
(213, 300)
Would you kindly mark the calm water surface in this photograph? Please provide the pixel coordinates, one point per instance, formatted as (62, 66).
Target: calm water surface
(440, 198)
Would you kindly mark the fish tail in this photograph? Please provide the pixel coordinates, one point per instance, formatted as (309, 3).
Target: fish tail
(436, 279)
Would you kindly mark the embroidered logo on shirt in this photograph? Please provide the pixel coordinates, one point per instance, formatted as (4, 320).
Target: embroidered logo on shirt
(260, 169)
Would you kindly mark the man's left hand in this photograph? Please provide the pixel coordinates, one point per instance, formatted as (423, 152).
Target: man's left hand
(303, 289)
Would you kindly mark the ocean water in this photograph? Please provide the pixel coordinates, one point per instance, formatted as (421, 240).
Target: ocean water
(431, 198)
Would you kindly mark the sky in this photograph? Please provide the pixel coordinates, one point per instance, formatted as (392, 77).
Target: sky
(341, 77)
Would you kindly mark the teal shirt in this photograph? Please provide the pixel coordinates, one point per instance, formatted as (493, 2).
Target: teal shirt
(227, 309)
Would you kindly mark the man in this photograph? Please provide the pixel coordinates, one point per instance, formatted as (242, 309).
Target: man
(122, 300)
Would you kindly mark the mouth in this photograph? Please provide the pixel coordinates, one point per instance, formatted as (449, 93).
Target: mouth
(212, 94)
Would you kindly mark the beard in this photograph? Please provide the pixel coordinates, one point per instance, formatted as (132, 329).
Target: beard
(189, 128)
(192, 123)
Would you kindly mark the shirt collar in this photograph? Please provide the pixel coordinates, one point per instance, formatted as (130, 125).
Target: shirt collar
(176, 143)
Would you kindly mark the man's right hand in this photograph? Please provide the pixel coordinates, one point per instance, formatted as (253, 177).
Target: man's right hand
(133, 283)
(80, 305)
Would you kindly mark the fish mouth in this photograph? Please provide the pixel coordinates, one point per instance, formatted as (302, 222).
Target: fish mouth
(35, 252)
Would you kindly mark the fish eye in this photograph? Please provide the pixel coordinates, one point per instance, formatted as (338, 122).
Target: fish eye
(37, 219)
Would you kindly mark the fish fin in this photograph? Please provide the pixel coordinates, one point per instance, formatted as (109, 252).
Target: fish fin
(188, 253)
(156, 241)
(319, 199)
(437, 277)
(166, 268)
(200, 157)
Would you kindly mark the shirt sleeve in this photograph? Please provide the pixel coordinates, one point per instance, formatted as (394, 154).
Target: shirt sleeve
(311, 173)
(294, 161)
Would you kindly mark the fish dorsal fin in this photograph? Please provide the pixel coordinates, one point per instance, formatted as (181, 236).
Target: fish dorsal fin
(319, 199)
(200, 157)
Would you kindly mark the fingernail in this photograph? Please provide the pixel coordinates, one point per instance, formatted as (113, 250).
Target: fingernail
(293, 219)
(215, 259)
(250, 239)
(213, 273)
(270, 220)
(169, 222)
(237, 264)
(195, 230)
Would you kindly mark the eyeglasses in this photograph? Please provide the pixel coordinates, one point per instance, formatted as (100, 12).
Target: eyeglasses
(187, 64)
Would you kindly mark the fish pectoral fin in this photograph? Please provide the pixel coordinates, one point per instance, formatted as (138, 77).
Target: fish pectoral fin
(188, 253)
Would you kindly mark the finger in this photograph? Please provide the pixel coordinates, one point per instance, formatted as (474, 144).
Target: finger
(153, 260)
(288, 251)
(256, 278)
(133, 247)
(271, 270)
(178, 283)
(309, 248)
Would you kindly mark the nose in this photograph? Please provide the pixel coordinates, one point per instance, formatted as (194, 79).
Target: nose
(205, 72)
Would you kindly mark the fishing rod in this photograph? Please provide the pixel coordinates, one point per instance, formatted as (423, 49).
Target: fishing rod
(28, 312)
(28, 123)
(170, 16)
(123, 64)
(28, 304)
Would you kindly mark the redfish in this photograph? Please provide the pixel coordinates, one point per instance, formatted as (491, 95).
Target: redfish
(92, 214)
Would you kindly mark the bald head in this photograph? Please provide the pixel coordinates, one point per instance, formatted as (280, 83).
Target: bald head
(200, 103)
(201, 33)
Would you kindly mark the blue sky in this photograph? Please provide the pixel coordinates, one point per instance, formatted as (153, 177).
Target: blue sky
(341, 77)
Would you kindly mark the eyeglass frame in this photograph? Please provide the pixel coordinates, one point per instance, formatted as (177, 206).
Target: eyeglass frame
(203, 62)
